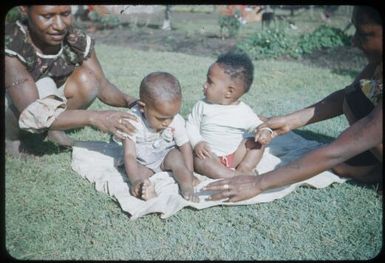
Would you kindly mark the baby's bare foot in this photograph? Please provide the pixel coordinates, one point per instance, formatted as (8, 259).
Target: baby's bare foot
(148, 190)
(195, 181)
(189, 194)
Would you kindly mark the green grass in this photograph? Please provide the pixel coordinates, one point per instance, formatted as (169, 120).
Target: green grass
(51, 213)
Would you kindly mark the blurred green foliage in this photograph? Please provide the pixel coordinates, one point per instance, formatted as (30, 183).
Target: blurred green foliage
(106, 21)
(323, 37)
(230, 23)
(276, 42)
(269, 43)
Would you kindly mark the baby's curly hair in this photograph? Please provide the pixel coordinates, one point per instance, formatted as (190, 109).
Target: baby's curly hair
(238, 64)
(160, 87)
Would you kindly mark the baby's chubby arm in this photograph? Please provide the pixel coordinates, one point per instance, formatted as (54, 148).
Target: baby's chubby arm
(262, 134)
(131, 166)
(202, 150)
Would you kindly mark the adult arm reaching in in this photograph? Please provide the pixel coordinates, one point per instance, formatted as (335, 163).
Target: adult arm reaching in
(357, 153)
(361, 136)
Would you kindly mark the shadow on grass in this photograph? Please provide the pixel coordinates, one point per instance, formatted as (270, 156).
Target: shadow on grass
(35, 144)
(309, 135)
(346, 72)
(344, 60)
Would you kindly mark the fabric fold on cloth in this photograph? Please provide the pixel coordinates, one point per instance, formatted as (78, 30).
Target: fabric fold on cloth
(94, 161)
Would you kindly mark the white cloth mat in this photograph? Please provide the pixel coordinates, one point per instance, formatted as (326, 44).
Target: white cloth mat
(94, 161)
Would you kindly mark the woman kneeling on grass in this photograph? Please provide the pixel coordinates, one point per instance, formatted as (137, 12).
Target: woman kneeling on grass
(52, 75)
(357, 152)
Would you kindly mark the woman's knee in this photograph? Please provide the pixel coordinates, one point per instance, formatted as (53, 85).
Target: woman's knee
(345, 170)
(368, 174)
(81, 88)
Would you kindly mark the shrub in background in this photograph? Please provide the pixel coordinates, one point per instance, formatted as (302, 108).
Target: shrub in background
(269, 43)
(106, 21)
(323, 37)
(230, 23)
(275, 42)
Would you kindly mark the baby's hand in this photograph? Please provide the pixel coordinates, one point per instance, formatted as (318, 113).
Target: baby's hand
(202, 150)
(264, 136)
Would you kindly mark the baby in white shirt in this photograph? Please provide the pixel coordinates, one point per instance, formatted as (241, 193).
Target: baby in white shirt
(221, 127)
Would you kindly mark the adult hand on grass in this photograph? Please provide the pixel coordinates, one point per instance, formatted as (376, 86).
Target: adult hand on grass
(234, 189)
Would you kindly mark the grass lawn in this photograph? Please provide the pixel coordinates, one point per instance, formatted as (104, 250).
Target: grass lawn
(51, 213)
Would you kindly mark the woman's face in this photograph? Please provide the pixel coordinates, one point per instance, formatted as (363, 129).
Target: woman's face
(368, 36)
(48, 24)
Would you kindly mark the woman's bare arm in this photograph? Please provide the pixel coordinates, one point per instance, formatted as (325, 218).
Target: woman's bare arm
(363, 135)
(19, 84)
(108, 92)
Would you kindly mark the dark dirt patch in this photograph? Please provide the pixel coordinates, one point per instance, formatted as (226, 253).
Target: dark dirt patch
(342, 60)
(164, 40)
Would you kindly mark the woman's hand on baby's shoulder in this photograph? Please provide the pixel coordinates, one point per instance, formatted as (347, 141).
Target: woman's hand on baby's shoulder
(114, 121)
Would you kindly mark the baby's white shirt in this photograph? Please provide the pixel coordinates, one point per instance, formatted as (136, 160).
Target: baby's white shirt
(223, 127)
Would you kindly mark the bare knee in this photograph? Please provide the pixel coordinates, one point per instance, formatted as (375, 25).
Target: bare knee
(346, 170)
(173, 161)
(199, 165)
(211, 168)
(366, 174)
(81, 89)
(342, 170)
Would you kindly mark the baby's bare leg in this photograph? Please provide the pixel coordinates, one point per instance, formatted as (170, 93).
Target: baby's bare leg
(174, 162)
(212, 168)
(247, 156)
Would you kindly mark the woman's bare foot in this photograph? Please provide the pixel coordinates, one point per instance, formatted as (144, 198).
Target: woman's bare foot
(60, 138)
(13, 148)
(148, 190)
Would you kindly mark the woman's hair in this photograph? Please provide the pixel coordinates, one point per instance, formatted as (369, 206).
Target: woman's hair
(238, 65)
(369, 12)
(160, 87)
